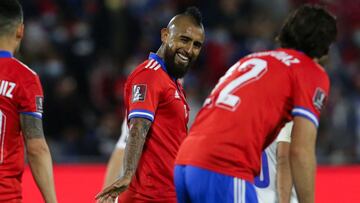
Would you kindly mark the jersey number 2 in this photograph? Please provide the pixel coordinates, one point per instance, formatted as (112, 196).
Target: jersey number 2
(2, 135)
(255, 68)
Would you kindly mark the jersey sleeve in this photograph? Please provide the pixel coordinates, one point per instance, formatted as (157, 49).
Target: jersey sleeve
(123, 137)
(143, 94)
(310, 91)
(30, 97)
(285, 133)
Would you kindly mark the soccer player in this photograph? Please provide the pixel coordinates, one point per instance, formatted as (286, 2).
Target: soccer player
(157, 114)
(21, 107)
(219, 159)
(274, 183)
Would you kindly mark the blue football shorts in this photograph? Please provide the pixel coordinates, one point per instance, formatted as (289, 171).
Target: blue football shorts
(198, 185)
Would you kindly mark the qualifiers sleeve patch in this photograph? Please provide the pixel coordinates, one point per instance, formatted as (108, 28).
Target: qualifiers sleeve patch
(39, 104)
(319, 98)
(138, 93)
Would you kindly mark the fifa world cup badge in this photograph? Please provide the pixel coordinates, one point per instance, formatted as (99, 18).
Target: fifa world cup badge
(138, 93)
(319, 98)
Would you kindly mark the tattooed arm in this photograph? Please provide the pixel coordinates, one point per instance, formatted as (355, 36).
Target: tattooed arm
(138, 130)
(39, 156)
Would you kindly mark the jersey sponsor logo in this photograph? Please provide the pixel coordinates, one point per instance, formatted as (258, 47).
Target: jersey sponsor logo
(39, 104)
(138, 93)
(7, 88)
(319, 98)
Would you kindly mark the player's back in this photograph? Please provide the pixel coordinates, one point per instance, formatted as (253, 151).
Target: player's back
(16, 80)
(247, 108)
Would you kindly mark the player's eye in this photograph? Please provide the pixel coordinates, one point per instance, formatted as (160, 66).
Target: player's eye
(184, 39)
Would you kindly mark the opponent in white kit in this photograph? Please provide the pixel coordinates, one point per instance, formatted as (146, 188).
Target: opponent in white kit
(267, 183)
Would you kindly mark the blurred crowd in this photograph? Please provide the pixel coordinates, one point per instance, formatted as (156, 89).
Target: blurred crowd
(84, 49)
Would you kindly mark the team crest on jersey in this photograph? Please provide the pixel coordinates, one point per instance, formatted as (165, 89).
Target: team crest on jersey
(319, 98)
(39, 104)
(138, 93)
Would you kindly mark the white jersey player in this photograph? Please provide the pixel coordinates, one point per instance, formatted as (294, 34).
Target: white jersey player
(114, 167)
(266, 182)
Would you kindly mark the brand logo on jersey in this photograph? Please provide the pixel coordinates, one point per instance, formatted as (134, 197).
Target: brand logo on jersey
(319, 98)
(138, 93)
(177, 96)
(7, 88)
(39, 104)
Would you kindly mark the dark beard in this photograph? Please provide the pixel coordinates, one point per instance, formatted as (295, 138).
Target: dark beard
(175, 70)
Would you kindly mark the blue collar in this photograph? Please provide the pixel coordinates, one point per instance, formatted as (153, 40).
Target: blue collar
(161, 62)
(5, 54)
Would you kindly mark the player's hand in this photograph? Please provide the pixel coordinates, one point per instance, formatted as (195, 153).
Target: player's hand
(110, 193)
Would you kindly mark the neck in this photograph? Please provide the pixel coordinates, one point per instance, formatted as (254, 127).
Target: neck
(7, 45)
(161, 52)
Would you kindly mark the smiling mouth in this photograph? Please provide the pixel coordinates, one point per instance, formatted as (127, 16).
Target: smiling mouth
(183, 57)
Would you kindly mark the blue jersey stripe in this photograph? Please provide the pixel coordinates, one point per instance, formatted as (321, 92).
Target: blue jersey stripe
(298, 111)
(34, 114)
(140, 113)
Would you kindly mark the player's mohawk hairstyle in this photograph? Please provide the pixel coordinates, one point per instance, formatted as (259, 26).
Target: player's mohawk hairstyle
(194, 13)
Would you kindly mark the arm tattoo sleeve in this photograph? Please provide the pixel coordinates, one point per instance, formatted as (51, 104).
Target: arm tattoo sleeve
(31, 127)
(139, 128)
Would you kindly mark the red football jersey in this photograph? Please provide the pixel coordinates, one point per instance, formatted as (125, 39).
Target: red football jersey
(248, 107)
(152, 94)
(20, 92)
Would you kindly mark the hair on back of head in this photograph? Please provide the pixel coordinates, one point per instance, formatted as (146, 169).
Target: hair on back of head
(310, 29)
(11, 14)
(195, 13)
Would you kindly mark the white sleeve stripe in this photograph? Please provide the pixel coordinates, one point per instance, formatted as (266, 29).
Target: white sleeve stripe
(157, 67)
(307, 114)
(142, 114)
(153, 65)
(149, 63)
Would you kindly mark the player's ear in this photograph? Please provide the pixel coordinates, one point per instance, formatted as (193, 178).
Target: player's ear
(20, 31)
(164, 35)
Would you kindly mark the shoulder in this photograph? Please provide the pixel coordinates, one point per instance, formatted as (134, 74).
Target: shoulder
(311, 71)
(149, 71)
(24, 69)
(22, 74)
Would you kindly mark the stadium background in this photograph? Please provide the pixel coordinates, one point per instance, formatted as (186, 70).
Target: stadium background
(84, 49)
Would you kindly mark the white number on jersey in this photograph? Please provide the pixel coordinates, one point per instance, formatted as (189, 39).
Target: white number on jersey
(254, 69)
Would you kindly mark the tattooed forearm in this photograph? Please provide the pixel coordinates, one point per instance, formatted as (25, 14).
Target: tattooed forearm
(139, 128)
(31, 127)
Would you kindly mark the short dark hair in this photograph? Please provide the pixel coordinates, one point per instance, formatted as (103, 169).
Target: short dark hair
(11, 14)
(310, 29)
(195, 13)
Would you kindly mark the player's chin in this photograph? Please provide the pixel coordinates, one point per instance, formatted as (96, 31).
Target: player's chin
(180, 71)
